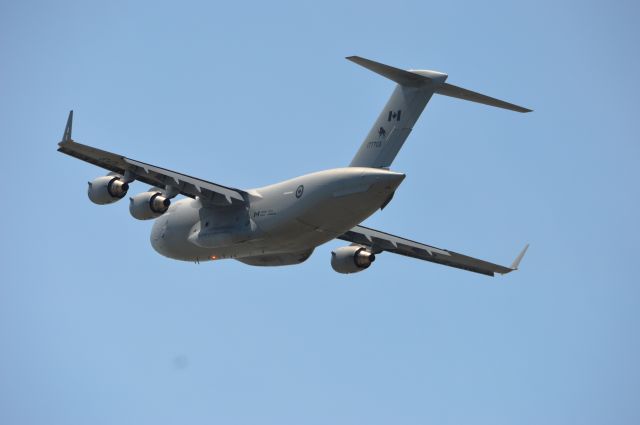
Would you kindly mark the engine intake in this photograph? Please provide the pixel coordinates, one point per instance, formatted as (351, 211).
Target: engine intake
(107, 189)
(351, 259)
(148, 205)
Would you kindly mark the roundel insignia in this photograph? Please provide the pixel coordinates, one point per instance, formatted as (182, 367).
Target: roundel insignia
(299, 191)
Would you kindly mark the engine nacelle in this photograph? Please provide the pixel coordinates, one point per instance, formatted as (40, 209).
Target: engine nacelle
(148, 205)
(107, 189)
(351, 259)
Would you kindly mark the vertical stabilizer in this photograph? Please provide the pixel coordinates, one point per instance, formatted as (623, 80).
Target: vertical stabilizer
(408, 100)
(399, 115)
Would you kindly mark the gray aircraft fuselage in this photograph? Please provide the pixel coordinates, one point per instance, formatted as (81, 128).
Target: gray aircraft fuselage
(282, 223)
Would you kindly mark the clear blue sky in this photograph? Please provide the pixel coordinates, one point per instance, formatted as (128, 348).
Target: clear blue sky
(96, 328)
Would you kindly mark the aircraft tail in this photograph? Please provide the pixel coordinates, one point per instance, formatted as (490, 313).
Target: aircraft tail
(408, 100)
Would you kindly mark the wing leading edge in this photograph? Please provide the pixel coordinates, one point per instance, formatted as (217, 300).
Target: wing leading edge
(379, 241)
(150, 174)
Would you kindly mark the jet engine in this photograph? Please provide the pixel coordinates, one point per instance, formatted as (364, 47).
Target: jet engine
(351, 259)
(107, 189)
(148, 205)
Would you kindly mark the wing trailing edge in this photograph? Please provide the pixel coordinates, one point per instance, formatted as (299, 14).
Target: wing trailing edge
(186, 185)
(378, 241)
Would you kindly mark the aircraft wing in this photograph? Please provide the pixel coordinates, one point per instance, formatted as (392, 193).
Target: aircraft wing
(150, 174)
(379, 241)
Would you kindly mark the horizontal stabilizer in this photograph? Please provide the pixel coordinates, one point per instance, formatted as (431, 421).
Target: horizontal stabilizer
(400, 76)
(460, 93)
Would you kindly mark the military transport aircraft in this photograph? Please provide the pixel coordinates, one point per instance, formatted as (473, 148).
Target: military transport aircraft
(281, 224)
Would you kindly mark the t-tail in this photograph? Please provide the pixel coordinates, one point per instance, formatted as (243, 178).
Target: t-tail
(408, 100)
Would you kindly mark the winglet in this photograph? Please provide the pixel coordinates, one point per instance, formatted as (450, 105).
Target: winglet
(516, 262)
(67, 130)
